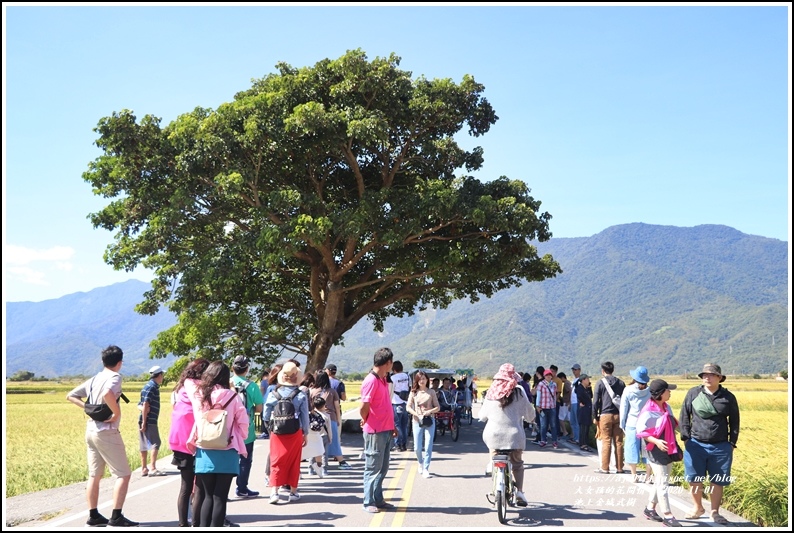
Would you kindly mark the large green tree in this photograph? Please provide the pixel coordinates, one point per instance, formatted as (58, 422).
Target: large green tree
(318, 197)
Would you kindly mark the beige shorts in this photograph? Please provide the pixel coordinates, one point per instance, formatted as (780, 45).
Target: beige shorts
(106, 448)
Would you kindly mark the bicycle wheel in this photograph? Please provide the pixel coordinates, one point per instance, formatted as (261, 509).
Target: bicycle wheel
(454, 429)
(501, 506)
(471, 418)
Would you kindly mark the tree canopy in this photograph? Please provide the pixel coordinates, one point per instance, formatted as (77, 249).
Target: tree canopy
(319, 196)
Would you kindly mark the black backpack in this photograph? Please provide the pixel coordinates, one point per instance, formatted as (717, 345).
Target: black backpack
(284, 420)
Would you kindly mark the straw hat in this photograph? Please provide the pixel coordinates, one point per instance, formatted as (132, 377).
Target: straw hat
(290, 375)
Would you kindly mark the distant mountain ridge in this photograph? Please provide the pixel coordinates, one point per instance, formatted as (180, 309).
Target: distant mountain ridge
(667, 297)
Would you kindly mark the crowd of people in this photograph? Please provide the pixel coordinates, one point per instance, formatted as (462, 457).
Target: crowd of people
(212, 431)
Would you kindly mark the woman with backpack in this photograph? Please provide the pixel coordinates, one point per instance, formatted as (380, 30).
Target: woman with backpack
(182, 421)
(287, 412)
(216, 467)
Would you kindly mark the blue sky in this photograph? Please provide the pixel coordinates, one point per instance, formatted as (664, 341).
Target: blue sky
(670, 115)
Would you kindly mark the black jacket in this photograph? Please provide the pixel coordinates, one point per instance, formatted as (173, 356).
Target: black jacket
(718, 428)
(602, 402)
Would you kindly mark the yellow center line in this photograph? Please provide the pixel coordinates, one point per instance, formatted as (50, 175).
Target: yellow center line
(388, 493)
(406, 497)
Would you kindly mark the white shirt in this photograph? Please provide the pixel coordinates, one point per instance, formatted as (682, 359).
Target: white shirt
(400, 383)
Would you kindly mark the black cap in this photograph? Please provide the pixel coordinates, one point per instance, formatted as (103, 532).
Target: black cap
(658, 386)
(331, 367)
(241, 362)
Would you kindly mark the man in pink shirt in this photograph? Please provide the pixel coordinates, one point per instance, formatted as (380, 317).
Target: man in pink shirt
(377, 424)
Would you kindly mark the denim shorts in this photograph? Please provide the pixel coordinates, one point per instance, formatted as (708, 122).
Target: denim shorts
(714, 458)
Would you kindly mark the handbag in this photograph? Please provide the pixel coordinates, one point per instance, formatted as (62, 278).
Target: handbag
(702, 406)
(426, 422)
(99, 411)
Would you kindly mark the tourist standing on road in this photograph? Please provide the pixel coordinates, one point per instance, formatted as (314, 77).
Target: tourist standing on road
(401, 388)
(584, 397)
(709, 429)
(656, 425)
(253, 404)
(504, 410)
(272, 381)
(182, 421)
(215, 468)
(286, 448)
(537, 377)
(573, 415)
(148, 432)
(565, 405)
(423, 402)
(333, 408)
(377, 425)
(606, 413)
(318, 438)
(635, 395)
(546, 400)
(105, 445)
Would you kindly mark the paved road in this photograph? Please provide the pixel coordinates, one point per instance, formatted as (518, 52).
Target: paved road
(561, 487)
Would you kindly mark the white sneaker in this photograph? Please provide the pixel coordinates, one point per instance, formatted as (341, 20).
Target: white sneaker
(274, 498)
(317, 469)
(426, 474)
(420, 471)
(521, 500)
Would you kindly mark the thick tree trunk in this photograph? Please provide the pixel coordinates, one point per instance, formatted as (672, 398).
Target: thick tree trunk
(320, 350)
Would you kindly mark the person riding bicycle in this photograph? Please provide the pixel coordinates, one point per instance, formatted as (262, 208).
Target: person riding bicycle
(504, 410)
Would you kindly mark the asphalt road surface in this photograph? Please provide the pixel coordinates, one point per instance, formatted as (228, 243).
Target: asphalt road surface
(562, 488)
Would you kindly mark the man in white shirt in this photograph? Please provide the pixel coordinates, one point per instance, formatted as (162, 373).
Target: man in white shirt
(401, 385)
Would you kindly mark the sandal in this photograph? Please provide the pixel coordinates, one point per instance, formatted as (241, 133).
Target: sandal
(694, 515)
(718, 518)
(144, 472)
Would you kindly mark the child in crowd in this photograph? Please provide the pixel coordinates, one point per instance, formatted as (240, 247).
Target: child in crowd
(318, 437)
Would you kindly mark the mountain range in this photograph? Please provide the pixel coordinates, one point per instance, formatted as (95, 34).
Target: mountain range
(669, 298)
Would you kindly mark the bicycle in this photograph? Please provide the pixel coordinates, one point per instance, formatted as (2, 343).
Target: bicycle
(448, 419)
(503, 490)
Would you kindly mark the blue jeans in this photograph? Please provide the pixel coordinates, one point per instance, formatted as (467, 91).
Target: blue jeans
(574, 419)
(423, 443)
(401, 423)
(377, 448)
(245, 467)
(546, 416)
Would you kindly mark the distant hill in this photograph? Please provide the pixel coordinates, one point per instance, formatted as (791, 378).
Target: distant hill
(66, 336)
(667, 297)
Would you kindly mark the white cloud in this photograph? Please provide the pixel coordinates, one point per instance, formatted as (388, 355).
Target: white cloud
(27, 275)
(19, 255)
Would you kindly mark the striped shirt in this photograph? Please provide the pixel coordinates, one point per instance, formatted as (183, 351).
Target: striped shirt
(150, 393)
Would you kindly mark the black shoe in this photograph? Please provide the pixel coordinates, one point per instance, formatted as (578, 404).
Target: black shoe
(99, 521)
(651, 514)
(122, 521)
(229, 523)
